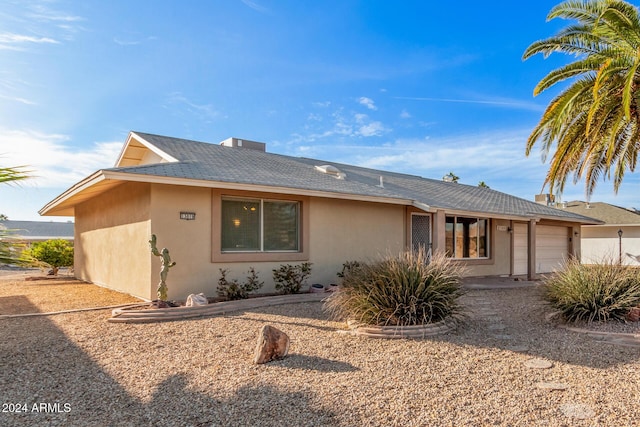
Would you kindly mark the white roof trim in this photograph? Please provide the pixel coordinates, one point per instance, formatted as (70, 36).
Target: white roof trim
(146, 144)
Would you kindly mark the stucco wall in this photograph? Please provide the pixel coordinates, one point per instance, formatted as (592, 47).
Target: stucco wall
(343, 230)
(111, 234)
(602, 242)
(188, 241)
(338, 231)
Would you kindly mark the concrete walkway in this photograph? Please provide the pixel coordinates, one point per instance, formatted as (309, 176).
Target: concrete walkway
(483, 307)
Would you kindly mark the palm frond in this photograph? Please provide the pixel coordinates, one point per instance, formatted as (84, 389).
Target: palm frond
(591, 128)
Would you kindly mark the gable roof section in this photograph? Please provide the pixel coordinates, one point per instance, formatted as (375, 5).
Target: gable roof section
(609, 214)
(189, 162)
(136, 150)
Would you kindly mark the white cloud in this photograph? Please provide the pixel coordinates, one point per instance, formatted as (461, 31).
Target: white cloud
(483, 100)
(205, 111)
(255, 6)
(18, 99)
(404, 114)
(371, 129)
(19, 38)
(367, 102)
(132, 41)
(53, 162)
(338, 125)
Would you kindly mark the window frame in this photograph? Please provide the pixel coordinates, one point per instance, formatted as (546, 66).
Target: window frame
(218, 255)
(261, 232)
(487, 237)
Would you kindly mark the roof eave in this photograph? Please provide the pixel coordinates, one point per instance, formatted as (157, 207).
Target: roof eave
(57, 206)
(63, 205)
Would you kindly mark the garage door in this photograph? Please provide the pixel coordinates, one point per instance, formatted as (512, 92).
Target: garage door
(552, 247)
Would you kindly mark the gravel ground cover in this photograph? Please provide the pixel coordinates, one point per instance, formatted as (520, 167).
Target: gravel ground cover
(18, 295)
(506, 365)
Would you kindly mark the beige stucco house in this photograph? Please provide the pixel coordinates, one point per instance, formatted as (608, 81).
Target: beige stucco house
(236, 206)
(616, 239)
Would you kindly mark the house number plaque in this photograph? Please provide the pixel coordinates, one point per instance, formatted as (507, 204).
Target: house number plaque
(189, 216)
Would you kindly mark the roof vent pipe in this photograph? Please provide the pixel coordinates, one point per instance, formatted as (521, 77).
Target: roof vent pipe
(381, 185)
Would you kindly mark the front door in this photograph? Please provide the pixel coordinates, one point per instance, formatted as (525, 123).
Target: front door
(421, 232)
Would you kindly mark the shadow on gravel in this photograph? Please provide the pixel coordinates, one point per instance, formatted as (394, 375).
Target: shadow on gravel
(16, 304)
(314, 363)
(268, 310)
(46, 379)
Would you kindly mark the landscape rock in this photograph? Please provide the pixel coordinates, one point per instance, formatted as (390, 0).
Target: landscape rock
(196, 300)
(272, 344)
(538, 364)
(634, 314)
(577, 410)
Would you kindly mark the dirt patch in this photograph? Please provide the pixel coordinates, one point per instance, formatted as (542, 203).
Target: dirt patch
(24, 293)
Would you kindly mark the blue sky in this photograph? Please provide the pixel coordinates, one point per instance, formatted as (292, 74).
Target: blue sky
(418, 87)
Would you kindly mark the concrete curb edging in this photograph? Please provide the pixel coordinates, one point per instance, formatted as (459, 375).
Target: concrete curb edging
(73, 310)
(399, 332)
(130, 315)
(616, 338)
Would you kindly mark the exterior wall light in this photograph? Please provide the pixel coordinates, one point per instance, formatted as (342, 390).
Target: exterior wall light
(620, 246)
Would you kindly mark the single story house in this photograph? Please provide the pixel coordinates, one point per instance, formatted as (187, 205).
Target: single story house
(616, 239)
(236, 206)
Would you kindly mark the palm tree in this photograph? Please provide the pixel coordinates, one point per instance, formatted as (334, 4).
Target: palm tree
(595, 121)
(8, 175)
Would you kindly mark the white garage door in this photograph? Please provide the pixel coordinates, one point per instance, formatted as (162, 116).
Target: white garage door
(552, 247)
(520, 249)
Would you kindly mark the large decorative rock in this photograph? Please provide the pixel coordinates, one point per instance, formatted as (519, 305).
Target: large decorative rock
(272, 344)
(634, 314)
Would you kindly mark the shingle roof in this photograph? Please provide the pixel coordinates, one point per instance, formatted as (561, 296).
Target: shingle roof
(39, 230)
(211, 162)
(609, 214)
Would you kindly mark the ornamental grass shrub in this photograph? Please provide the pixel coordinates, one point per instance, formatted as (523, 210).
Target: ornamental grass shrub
(403, 290)
(596, 292)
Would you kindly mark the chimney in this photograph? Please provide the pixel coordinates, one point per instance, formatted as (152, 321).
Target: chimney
(244, 143)
(545, 199)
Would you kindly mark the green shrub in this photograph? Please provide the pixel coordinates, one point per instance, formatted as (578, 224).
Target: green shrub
(234, 290)
(55, 253)
(597, 292)
(404, 290)
(289, 279)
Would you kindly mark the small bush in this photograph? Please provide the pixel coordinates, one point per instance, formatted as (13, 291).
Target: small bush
(399, 291)
(596, 292)
(234, 290)
(289, 279)
(55, 253)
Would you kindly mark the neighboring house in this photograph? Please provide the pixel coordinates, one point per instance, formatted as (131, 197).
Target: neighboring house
(601, 242)
(38, 231)
(236, 206)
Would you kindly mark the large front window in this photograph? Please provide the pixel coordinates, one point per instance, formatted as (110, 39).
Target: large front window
(466, 237)
(258, 225)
